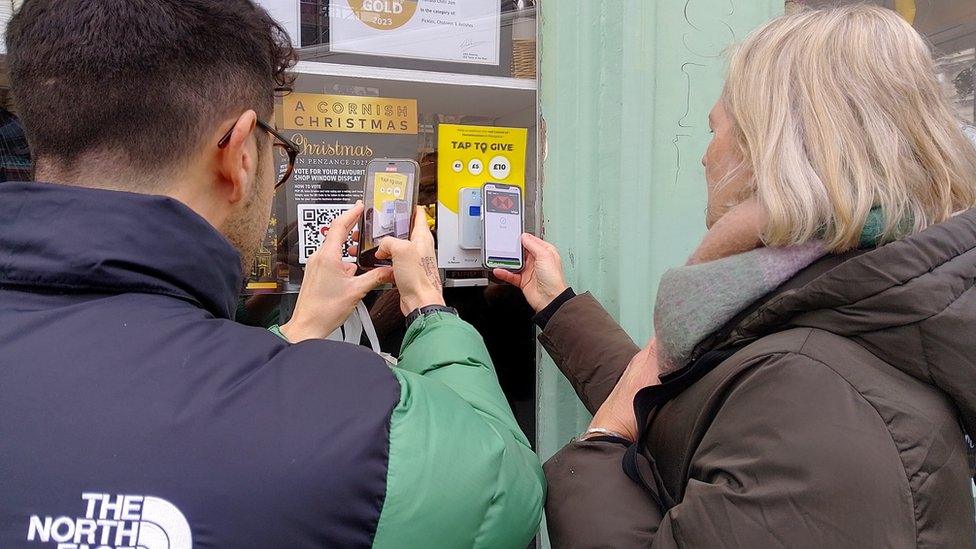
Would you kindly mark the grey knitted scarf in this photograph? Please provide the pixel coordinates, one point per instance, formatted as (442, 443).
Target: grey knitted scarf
(696, 300)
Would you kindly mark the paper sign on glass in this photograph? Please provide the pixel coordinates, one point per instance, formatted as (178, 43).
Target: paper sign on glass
(460, 31)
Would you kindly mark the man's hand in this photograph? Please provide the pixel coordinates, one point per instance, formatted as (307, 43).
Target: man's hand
(331, 288)
(541, 279)
(617, 412)
(414, 266)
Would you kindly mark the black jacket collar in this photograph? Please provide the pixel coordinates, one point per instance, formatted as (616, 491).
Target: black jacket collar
(73, 239)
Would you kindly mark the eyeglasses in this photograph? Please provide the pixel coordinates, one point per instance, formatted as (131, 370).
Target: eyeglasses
(281, 142)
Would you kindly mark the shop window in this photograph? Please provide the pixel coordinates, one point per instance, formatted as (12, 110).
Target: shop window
(449, 84)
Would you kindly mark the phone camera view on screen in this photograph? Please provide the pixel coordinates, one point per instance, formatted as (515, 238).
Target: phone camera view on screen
(390, 197)
(391, 210)
(503, 227)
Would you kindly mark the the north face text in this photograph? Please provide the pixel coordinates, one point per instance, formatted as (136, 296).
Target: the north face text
(115, 522)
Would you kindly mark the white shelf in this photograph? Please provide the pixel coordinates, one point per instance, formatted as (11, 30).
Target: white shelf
(465, 282)
(406, 75)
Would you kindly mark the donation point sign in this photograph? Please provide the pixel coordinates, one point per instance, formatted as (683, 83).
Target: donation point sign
(467, 158)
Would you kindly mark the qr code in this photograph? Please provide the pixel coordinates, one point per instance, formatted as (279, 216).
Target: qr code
(314, 222)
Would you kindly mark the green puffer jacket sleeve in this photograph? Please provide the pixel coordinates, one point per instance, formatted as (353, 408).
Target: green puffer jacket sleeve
(461, 473)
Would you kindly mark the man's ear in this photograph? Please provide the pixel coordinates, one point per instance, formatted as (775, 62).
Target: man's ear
(237, 161)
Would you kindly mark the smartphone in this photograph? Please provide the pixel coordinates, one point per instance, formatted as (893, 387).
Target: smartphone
(469, 219)
(390, 198)
(502, 224)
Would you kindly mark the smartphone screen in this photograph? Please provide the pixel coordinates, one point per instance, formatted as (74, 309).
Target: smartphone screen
(391, 195)
(502, 226)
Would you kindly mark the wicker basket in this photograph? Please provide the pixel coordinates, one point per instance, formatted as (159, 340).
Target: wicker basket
(523, 59)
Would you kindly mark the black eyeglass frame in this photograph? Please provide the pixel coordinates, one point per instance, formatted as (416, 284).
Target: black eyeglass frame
(291, 149)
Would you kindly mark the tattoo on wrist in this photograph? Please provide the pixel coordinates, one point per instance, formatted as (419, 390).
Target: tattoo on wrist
(430, 267)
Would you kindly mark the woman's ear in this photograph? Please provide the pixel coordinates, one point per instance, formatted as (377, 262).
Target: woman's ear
(237, 161)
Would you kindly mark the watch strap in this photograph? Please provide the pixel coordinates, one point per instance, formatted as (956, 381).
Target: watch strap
(429, 310)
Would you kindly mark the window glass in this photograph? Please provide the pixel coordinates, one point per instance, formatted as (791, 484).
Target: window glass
(397, 79)
(950, 27)
(489, 37)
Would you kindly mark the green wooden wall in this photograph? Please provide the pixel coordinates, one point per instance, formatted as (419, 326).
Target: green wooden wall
(626, 86)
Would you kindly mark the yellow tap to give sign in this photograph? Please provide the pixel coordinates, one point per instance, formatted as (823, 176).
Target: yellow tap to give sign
(470, 156)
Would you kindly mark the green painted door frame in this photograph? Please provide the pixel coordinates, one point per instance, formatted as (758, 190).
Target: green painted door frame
(625, 90)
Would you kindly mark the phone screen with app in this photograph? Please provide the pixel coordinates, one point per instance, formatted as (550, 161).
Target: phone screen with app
(503, 227)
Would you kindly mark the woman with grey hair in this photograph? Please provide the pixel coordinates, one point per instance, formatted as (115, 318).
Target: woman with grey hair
(813, 372)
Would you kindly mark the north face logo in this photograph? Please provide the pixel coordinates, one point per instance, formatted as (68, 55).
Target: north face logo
(116, 522)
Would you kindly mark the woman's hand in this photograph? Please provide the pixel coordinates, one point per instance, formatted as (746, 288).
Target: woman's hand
(617, 412)
(541, 279)
(331, 289)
